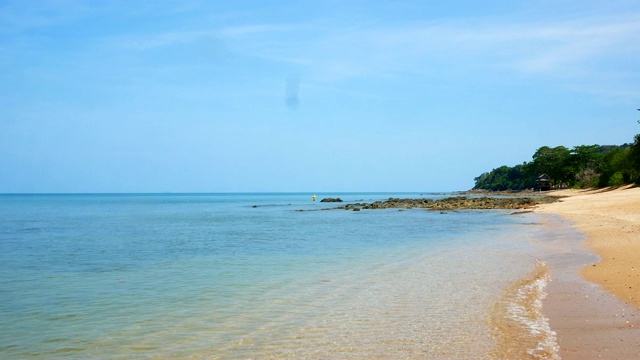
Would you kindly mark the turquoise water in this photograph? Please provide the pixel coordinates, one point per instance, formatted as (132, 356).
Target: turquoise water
(249, 276)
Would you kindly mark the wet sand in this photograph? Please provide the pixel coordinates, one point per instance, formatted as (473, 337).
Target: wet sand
(593, 301)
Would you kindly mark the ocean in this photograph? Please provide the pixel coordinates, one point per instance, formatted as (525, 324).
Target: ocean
(260, 276)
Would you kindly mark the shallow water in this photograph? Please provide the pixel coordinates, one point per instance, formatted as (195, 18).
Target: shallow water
(210, 276)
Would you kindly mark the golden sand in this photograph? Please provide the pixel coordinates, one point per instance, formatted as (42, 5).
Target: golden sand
(600, 317)
(611, 221)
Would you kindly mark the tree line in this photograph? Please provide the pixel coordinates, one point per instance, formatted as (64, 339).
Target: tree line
(584, 166)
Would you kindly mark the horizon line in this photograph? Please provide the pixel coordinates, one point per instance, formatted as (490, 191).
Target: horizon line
(224, 192)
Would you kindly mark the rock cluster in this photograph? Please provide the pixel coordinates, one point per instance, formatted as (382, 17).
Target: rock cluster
(454, 203)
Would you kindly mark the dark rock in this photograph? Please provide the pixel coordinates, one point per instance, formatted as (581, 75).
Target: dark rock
(458, 202)
(331, 200)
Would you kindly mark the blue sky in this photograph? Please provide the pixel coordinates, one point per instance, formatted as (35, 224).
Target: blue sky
(226, 96)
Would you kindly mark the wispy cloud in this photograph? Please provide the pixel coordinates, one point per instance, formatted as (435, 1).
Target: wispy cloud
(580, 44)
(158, 40)
(563, 48)
(19, 16)
(326, 51)
(254, 29)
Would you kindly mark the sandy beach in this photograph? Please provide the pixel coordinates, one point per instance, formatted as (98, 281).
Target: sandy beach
(595, 308)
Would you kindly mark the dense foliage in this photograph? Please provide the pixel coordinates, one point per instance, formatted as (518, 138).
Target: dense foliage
(584, 166)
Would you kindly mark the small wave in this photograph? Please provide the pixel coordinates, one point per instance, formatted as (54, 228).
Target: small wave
(523, 329)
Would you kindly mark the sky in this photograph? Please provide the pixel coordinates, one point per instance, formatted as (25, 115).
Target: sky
(305, 96)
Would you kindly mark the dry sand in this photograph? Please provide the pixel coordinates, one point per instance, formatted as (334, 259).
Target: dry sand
(598, 318)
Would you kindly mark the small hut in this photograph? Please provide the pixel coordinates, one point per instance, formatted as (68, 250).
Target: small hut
(543, 183)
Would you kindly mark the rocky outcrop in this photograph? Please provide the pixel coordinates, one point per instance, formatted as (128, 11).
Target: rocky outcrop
(331, 200)
(453, 203)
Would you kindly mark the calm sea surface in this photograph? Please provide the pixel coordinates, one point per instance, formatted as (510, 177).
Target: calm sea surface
(249, 276)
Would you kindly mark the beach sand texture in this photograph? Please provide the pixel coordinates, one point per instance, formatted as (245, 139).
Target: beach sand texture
(611, 221)
(599, 318)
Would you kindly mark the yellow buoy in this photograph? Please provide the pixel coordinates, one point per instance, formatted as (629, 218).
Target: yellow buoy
(314, 197)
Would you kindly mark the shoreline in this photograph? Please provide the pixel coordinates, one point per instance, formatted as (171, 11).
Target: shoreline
(593, 301)
(590, 304)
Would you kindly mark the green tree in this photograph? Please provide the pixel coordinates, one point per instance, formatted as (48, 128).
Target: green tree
(616, 167)
(634, 159)
(585, 160)
(496, 180)
(582, 166)
(585, 156)
(555, 162)
(506, 178)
